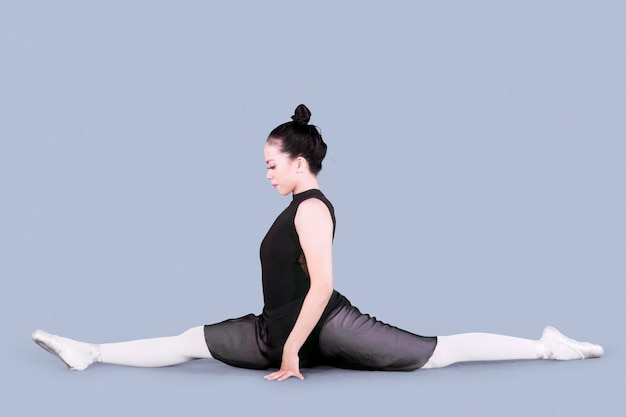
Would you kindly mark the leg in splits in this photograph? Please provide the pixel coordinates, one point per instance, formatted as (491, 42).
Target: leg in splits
(469, 347)
(160, 351)
(351, 339)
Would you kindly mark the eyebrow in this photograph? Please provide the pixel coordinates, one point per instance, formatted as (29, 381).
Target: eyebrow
(270, 160)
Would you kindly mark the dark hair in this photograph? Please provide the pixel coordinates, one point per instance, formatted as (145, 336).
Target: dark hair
(299, 138)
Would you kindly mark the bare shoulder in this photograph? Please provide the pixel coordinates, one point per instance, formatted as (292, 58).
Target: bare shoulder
(313, 211)
(312, 204)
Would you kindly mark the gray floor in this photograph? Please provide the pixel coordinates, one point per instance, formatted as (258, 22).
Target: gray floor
(476, 164)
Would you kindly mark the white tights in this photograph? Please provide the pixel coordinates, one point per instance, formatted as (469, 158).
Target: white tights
(190, 345)
(160, 351)
(469, 347)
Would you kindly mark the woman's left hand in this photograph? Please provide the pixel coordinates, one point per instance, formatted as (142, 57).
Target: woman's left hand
(289, 367)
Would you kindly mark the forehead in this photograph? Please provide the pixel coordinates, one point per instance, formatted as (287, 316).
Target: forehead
(272, 151)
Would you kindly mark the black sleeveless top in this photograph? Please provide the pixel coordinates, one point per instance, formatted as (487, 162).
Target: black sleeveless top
(285, 277)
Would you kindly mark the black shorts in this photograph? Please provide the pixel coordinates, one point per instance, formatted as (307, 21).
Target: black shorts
(347, 339)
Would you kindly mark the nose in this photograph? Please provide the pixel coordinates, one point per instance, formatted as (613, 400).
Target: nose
(268, 175)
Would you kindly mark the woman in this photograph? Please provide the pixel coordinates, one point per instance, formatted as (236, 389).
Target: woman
(304, 321)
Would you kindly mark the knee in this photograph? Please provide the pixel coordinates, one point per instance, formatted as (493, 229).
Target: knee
(438, 360)
(193, 330)
(192, 334)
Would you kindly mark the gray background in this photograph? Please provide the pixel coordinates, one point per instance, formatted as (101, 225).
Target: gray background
(476, 163)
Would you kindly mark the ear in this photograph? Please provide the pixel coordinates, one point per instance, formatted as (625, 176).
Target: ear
(301, 164)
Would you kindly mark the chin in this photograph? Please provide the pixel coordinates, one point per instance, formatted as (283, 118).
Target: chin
(284, 191)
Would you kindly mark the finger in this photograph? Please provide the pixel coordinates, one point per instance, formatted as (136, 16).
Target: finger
(289, 375)
(278, 375)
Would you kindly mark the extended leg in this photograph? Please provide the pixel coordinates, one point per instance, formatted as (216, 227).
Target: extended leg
(494, 347)
(161, 351)
(469, 347)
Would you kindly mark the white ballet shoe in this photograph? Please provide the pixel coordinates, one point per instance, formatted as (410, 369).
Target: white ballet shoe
(560, 347)
(76, 355)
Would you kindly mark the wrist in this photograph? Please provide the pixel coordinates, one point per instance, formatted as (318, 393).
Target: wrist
(290, 350)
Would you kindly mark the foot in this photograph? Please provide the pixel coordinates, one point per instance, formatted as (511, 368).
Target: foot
(76, 355)
(560, 347)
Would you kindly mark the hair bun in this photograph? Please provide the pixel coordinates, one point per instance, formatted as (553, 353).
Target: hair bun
(301, 115)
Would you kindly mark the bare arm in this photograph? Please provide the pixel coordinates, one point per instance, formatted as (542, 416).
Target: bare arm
(315, 230)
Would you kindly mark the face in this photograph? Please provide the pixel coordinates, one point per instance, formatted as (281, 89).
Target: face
(281, 168)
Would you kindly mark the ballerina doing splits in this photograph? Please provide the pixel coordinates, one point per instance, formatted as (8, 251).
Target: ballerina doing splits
(305, 322)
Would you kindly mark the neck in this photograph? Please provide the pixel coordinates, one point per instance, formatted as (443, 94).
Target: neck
(307, 183)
